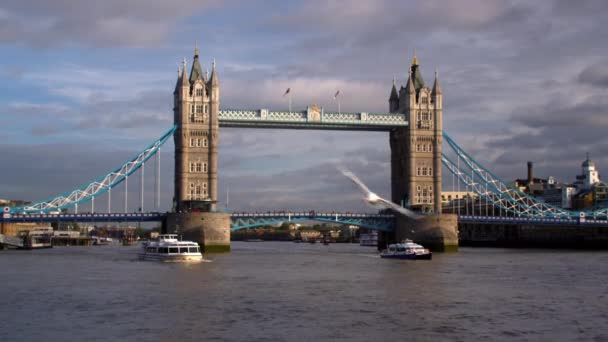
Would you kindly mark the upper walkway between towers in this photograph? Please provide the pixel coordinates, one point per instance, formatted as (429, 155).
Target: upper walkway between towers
(313, 117)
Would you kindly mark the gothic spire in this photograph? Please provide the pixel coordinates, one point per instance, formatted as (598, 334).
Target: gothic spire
(185, 82)
(409, 88)
(214, 79)
(436, 87)
(197, 71)
(394, 95)
(416, 74)
(178, 82)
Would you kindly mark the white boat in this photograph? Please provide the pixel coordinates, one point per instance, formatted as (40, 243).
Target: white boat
(101, 241)
(40, 237)
(370, 239)
(168, 248)
(406, 250)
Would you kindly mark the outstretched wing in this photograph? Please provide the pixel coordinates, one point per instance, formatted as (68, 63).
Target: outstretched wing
(399, 209)
(355, 180)
(379, 201)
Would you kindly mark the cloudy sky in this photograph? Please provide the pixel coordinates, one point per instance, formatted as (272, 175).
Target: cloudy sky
(86, 84)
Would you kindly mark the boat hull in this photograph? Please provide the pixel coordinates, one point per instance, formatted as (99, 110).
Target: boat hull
(428, 256)
(170, 258)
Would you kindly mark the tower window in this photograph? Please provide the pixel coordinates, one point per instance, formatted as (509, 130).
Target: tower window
(198, 167)
(199, 109)
(191, 142)
(205, 109)
(191, 167)
(205, 142)
(199, 92)
(198, 142)
(205, 167)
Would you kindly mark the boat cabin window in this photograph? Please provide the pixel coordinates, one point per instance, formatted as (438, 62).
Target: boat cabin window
(183, 249)
(163, 250)
(391, 248)
(173, 250)
(400, 249)
(151, 249)
(193, 249)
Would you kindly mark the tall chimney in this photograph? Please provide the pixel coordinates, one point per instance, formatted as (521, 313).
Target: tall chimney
(530, 173)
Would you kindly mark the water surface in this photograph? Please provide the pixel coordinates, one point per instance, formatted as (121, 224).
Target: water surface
(282, 291)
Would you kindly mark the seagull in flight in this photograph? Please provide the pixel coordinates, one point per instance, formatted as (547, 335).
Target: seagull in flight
(376, 200)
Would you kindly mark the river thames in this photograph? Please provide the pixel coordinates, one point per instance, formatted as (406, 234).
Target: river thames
(281, 291)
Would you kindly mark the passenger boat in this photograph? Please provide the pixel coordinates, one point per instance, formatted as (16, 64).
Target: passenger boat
(168, 248)
(101, 241)
(406, 250)
(40, 237)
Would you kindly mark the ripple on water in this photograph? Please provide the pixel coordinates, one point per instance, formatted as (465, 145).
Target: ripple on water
(285, 292)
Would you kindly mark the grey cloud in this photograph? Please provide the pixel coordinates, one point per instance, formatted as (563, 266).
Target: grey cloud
(106, 23)
(596, 75)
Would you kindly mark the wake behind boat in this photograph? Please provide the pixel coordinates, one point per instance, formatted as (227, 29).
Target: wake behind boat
(406, 250)
(169, 249)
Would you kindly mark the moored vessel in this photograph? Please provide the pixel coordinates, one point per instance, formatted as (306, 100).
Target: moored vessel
(369, 239)
(168, 248)
(406, 250)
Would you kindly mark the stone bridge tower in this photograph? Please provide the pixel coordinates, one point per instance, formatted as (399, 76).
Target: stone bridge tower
(196, 108)
(416, 165)
(416, 150)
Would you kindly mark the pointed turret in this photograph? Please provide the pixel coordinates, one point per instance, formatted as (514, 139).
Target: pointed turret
(416, 74)
(214, 80)
(409, 88)
(394, 95)
(197, 71)
(393, 101)
(177, 82)
(436, 87)
(184, 80)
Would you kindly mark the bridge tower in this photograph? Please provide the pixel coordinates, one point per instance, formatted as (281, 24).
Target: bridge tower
(196, 105)
(416, 162)
(196, 108)
(416, 150)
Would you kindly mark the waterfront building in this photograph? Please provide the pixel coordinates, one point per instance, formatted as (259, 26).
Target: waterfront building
(449, 197)
(586, 192)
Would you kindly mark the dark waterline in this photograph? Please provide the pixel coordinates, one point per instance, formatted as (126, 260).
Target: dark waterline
(281, 291)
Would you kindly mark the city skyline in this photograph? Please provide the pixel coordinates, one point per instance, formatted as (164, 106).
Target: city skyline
(521, 82)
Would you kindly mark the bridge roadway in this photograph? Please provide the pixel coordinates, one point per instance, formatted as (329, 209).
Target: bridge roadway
(240, 220)
(244, 220)
(531, 220)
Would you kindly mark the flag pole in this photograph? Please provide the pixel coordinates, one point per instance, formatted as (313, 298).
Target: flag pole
(289, 102)
(339, 112)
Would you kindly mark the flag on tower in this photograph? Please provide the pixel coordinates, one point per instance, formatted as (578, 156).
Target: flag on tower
(336, 94)
(287, 91)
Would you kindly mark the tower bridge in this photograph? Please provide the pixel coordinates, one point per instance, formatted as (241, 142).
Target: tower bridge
(414, 123)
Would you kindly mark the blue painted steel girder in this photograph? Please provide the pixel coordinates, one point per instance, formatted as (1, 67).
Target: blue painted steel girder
(86, 217)
(371, 221)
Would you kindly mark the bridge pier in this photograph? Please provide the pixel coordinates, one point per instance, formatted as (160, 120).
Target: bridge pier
(438, 233)
(209, 229)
